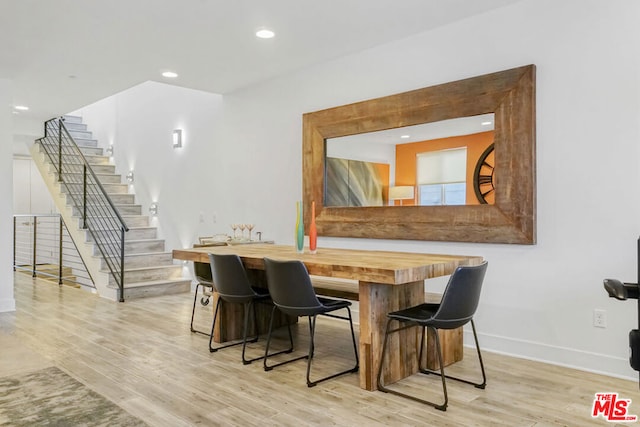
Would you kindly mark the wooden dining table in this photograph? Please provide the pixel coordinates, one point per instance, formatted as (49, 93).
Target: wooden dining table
(387, 281)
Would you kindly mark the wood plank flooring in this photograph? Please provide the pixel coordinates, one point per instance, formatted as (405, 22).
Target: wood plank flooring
(141, 355)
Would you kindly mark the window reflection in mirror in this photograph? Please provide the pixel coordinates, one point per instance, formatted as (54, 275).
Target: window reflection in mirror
(441, 177)
(429, 164)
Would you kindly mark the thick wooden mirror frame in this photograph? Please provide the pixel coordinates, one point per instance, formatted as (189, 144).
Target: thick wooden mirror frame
(509, 94)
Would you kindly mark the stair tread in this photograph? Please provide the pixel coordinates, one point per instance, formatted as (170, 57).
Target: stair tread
(153, 267)
(141, 254)
(115, 194)
(98, 174)
(118, 205)
(151, 283)
(122, 215)
(94, 157)
(108, 194)
(138, 228)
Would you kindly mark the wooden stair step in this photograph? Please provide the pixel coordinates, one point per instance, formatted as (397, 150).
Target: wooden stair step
(143, 274)
(134, 233)
(104, 178)
(69, 118)
(125, 210)
(153, 288)
(84, 142)
(141, 259)
(116, 198)
(97, 160)
(98, 151)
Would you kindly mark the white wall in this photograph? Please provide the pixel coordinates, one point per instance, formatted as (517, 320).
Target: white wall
(139, 123)
(242, 161)
(30, 193)
(7, 302)
(364, 151)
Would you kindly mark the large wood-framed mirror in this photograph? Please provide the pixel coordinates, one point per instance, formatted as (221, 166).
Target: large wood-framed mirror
(511, 218)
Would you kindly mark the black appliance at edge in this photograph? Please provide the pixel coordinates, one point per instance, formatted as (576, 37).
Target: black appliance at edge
(624, 291)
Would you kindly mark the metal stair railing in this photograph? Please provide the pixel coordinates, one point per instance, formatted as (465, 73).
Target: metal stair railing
(42, 246)
(88, 197)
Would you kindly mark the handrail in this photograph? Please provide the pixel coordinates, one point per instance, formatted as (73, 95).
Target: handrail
(36, 251)
(93, 174)
(100, 216)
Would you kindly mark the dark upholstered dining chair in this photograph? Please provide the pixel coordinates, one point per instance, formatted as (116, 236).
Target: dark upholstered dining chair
(233, 287)
(457, 307)
(293, 294)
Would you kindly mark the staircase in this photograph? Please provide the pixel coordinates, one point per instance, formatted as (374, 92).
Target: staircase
(148, 269)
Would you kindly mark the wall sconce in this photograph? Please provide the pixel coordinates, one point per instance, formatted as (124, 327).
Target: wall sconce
(109, 151)
(130, 177)
(153, 209)
(401, 192)
(177, 138)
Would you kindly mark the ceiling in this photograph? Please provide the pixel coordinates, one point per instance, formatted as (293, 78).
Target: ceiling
(422, 132)
(64, 54)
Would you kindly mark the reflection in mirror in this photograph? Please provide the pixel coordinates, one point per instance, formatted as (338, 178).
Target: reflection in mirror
(438, 163)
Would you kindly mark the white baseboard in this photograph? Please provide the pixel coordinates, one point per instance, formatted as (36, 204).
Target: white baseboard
(7, 304)
(597, 363)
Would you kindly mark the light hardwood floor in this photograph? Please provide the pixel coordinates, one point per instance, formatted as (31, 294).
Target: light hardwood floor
(141, 355)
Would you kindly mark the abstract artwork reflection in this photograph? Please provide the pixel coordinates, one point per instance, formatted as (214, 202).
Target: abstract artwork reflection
(356, 183)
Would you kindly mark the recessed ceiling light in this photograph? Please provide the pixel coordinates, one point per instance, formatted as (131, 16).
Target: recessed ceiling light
(405, 136)
(486, 123)
(170, 74)
(21, 107)
(265, 33)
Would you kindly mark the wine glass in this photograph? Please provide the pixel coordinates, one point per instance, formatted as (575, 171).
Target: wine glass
(234, 227)
(241, 226)
(249, 227)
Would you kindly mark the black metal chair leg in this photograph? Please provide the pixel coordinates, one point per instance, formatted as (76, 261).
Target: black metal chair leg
(442, 407)
(481, 385)
(213, 325)
(355, 344)
(193, 311)
(312, 327)
(311, 348)
(383, 388)
(247, 311)
(251, 304)
(289, 350)
(248, 361)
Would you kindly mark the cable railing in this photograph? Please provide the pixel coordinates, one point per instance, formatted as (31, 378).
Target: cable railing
(43, 248)
(88, 197)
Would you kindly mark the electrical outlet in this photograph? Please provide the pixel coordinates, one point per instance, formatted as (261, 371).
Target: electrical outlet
(599, 318)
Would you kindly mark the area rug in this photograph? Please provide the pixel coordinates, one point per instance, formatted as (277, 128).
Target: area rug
(50, 397)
